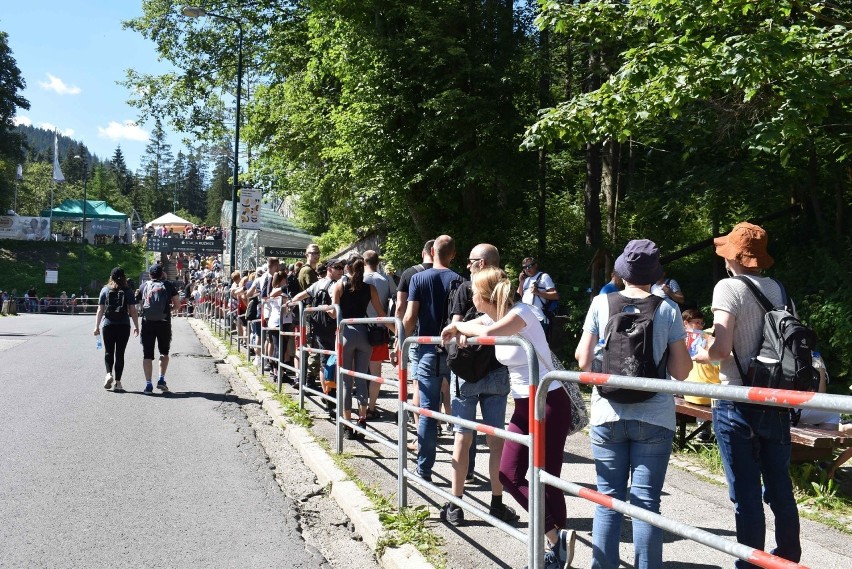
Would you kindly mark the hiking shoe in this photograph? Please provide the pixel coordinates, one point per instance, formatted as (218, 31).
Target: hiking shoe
(108, 381)
(564, 548)
(452, 514)
(426, 477)
(161, 385)
(148, 388)
(373, 414)
(117, 387)
(551, 560)
(504, 513)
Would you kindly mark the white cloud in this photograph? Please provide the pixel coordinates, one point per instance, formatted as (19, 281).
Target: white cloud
(58, 85)
(69, 132)
(128, 130)
(22, 120)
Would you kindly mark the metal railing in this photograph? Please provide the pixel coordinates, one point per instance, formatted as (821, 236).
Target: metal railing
(534, 538)
(754, 395)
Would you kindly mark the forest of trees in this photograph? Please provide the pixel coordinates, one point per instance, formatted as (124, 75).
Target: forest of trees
(552, 128)
(164, 182)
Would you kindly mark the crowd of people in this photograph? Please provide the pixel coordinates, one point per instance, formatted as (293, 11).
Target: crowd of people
(631, 431)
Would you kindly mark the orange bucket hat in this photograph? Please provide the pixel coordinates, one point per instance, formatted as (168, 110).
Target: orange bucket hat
(745, 244)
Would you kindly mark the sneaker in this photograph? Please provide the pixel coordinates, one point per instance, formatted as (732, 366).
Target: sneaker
(452, 514)
(426, 477)
(161, 385)
(551, 560)
(504, 513)
(350, 434)
(564, 548)
(470, 478)
(374, 414)
(118, 386)
(148, 388)
(108, 381)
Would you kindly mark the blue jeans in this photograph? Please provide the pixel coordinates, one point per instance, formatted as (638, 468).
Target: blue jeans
(491, 393)
(432, 371)
(641, 451)
(754, 442)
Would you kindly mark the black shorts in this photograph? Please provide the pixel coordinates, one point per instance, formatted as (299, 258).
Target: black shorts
(159, 332)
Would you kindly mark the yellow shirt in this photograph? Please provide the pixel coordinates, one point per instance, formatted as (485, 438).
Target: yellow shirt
(702, 373)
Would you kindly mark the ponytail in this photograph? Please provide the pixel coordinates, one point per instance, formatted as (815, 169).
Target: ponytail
(356, 279)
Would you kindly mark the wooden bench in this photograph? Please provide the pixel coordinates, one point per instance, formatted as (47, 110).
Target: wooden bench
(808, 444)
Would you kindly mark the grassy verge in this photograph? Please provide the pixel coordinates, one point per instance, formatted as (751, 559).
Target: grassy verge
(22, 265)
(406, 526)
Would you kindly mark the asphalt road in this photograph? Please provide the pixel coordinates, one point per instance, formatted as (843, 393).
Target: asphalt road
(92, 478)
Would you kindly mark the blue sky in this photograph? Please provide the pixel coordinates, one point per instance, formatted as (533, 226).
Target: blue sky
(71, 54)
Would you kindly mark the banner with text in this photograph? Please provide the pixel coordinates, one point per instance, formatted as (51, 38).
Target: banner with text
(250, 208)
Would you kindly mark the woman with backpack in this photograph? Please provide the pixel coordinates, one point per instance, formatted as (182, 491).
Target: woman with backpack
(494, 297)
(354, 295)
(116, 306)
(632, 430)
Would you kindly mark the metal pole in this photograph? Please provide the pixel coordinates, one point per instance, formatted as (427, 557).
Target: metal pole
(83, 229)
(234, 199)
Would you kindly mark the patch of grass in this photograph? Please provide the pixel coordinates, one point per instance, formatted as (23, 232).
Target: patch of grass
(22, 265)
(291, 408)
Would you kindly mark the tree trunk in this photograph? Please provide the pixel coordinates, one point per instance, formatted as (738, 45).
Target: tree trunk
(544, 83)
(610, 176)
(592, 207)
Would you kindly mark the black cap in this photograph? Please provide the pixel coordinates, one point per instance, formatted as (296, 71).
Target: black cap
(116, 274)
(156, 271)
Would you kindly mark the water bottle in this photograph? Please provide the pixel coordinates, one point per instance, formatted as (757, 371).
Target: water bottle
(597, 362)
(817, 361)
(98, 343)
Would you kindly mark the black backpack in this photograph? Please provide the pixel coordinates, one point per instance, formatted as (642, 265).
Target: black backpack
(323, 324)
(116, 304)
(785, 360)
(628, 346)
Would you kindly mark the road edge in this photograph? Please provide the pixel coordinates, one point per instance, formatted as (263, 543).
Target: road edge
(354, 503)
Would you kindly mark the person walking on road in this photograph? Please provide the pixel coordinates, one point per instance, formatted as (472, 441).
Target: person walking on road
(158, 298)
(116, 306)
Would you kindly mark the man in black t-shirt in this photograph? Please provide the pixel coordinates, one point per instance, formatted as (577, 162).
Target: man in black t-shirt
(157, 331)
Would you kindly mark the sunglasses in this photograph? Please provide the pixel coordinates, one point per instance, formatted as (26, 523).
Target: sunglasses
(337, 267)
(472, 261)
(529, 266)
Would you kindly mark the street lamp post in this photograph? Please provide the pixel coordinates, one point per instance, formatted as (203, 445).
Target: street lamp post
(195, 12)
(83, 228)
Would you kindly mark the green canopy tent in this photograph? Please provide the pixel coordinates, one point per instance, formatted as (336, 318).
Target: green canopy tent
(73, 209)
(97, 212)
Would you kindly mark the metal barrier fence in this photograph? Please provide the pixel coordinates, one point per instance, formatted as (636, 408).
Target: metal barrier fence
(537, 428)
(756, 395)
(534, 538)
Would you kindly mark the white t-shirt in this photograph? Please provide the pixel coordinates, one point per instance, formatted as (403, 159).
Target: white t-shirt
(657, 289)
(544, 283)
(515, 358)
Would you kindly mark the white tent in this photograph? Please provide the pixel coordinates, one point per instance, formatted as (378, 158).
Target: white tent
(170, 221)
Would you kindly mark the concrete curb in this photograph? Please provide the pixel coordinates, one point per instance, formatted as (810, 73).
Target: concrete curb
(354, 503)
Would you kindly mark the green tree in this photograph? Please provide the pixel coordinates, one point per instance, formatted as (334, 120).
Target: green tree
(11, 86)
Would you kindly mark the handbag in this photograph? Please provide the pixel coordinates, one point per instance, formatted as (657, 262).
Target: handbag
(251, 310)
(579, 415)
(471, 363)
(378, 334)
